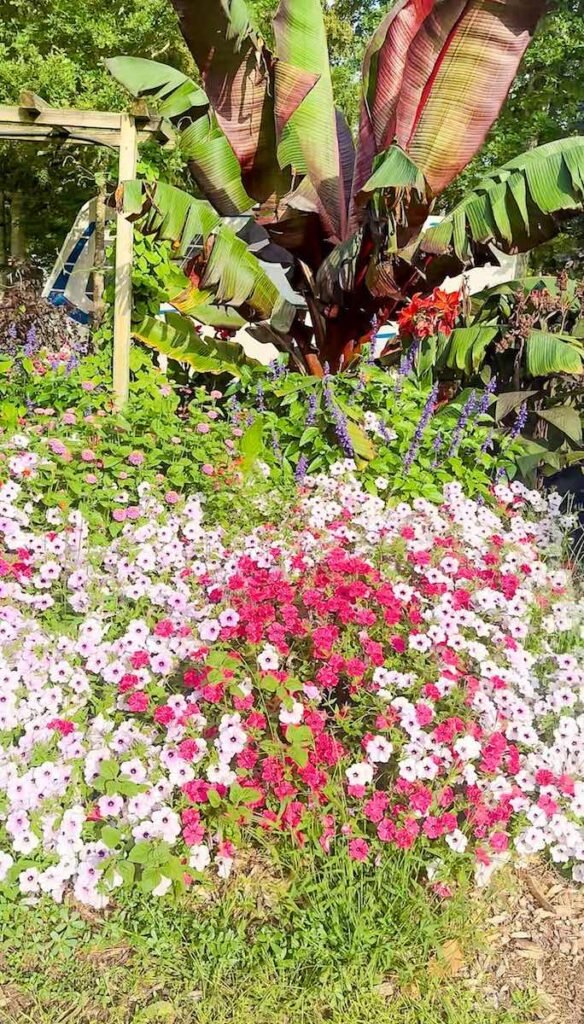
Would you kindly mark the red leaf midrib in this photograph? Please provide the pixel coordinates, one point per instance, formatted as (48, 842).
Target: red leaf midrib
(435, 72)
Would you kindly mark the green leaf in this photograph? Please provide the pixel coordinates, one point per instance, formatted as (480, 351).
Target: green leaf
(109, 769)
(110, 836)
(299, 755)
(298, 734)
(250, 795)
(251, 443)
(511, 400)
(159, 1012)
(552, 353)
(214, 166)
(565, 418)
(394, 171)
(176, 92)
(173, 868)
(214, 798)
(516, 206)
(151, 876)
(268, 683)
(127, 870)
(465, 348)
(168, 213)
(307, 137)
(140, 853)
(361, 443)
(176, 337)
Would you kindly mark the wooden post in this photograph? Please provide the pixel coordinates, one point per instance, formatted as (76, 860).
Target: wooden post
(3, 243)
(99, 259)
(123, 269)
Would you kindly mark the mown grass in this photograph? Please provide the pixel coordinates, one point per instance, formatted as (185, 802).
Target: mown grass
(334, 942)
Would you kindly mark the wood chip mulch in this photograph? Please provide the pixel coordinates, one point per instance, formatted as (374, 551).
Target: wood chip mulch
(534, 943)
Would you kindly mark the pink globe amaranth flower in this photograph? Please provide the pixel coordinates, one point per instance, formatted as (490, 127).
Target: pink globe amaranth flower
(172, 497)
(88, 455)
(166, 390)
(237, 432)
(213, 414)
(202, 428)
(122, 475)
(90, 478)
(57, 447)
(216, 394)
(229, 444)
(358, 849)
(133, 512)
(136, 458)
(69, 418)
(119, 515)
(207, 469)
(88, 385)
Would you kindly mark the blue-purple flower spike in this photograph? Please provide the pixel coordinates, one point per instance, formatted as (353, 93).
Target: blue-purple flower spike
(311, 414)
(468, 409)
(422, 424)
(301, 468)
(519, 422)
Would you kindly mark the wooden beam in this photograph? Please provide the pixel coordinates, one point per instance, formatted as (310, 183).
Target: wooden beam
(32, 102)
(35, 132)
(61, 117)
(30, 123)
(123, 270)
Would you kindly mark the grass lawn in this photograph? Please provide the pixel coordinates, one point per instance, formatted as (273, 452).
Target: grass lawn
(334, 942)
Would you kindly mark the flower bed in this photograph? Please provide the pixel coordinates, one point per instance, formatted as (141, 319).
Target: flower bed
(347, 675)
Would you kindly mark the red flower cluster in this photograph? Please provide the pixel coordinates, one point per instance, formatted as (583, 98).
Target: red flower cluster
(424, 317)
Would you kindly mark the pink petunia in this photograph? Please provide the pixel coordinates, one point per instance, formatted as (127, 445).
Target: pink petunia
(358, 849)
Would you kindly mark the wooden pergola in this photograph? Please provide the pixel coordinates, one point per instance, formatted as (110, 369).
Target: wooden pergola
(34, 119)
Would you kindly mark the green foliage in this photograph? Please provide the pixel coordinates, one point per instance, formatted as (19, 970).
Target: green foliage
(299, 419)
(178, 449)
(527, 335)
(291, 153)
(304, 938)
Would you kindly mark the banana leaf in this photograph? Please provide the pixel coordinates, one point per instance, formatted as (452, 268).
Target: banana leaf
(553, 353)
(232, 275)
(176, 92)
(177, 338)
(435, 76)
(235, 66)
(515, 206)
(308, 141)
